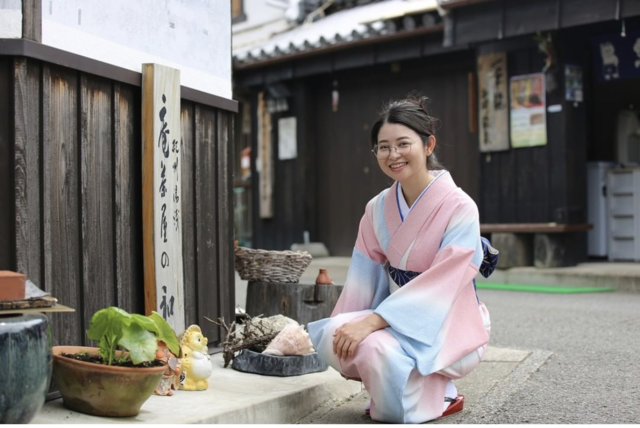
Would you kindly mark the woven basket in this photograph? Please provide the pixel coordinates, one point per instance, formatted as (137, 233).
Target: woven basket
(271, 266)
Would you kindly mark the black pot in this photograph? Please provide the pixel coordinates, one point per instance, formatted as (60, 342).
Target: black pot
(26, 363)
(273, 365)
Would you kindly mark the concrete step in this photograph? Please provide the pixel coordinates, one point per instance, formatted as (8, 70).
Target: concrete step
(232, 398)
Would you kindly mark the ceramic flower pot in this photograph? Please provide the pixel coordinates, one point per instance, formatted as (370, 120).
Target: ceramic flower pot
(101, 390)
(25, 355)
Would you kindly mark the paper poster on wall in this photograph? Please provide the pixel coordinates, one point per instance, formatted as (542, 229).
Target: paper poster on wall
(528, 117)
(493, 102)
(287, 142)
(573, 83)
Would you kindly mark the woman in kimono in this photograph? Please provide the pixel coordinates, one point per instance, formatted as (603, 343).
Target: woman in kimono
(408, 319)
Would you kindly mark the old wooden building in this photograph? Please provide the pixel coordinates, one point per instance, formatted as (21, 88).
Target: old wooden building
(332, 76)
(71, 170)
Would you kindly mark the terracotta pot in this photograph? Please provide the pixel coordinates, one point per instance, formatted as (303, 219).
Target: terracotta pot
(25, 355)
(323, 278)
(100, 390)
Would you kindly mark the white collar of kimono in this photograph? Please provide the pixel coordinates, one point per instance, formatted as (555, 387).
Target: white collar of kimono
(402, 202)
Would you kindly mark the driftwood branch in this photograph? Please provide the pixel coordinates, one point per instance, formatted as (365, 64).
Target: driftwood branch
(253, 336)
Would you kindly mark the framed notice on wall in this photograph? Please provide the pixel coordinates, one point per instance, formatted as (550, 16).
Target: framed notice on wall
(161, 207)
(528, 115)
(287, 141)
(493, 102)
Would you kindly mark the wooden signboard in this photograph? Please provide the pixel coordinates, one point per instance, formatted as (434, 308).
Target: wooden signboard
(264, 165)
(493, 102)
(162, 218)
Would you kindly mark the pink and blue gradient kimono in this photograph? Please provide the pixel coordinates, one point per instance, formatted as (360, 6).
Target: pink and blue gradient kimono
(438, 329)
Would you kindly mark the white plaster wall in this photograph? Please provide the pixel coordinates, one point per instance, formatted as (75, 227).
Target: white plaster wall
(10, 19)
(193, 36)
(263, 20)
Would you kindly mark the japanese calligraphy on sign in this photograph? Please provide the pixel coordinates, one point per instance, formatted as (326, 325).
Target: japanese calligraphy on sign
(493, 102)
(162, 236)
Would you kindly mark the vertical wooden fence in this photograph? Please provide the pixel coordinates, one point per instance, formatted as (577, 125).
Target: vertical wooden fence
(71, 194)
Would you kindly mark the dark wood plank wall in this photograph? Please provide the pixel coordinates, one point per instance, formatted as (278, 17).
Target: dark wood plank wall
(348, 174)
(293, 179)
(225, 281)
(504, 18)
(7, 223)
(573, 49)
(62, 240)
(189, 227)
(128, 206)
(515, 182)
(70, 154)
(546, 183)
(96, 194)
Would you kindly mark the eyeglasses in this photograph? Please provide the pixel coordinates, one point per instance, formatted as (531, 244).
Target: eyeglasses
(383, 151)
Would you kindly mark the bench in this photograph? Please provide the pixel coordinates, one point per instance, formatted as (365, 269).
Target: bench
(543, 245)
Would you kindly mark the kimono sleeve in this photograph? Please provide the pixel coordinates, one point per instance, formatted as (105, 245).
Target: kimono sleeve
(367, 283)
(417, 311)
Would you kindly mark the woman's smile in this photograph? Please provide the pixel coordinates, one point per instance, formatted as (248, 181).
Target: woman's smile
(397, 166)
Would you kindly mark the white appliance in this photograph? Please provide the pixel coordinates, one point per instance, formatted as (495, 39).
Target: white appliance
(597, 207)
(623, 206)
(628, 138)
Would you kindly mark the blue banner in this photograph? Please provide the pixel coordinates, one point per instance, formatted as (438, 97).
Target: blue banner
(617, 57)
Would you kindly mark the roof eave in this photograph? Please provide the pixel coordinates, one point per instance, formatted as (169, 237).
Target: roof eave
(339, 47)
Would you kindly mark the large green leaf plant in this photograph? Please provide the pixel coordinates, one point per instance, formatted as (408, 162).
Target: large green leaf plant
(115, 329)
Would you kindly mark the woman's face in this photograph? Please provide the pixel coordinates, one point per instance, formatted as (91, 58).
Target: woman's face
(411, 164)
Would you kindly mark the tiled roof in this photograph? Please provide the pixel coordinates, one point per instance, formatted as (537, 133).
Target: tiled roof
(368, 21)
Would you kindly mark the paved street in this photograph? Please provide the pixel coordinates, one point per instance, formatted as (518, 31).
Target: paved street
(592, 375)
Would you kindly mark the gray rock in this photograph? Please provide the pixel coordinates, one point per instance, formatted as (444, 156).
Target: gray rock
(272, 365)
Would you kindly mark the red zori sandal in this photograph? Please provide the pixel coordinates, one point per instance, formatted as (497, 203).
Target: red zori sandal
(456, 405)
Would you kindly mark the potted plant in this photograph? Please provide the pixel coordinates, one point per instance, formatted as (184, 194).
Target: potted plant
(116, 378)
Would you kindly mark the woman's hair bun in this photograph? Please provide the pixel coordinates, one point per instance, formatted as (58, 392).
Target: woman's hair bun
(421, 101)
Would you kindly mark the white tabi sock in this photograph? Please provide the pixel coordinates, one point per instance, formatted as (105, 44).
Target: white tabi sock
(450, 392)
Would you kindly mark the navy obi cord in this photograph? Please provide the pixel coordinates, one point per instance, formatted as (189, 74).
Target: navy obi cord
(489, 262)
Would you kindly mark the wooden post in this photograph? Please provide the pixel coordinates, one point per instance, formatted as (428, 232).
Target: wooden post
(32, 20)
(161, 211)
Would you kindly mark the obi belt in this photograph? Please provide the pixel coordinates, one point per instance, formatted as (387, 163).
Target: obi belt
(488, 265)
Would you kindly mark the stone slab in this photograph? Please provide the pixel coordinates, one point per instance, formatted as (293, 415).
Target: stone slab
(504, 355)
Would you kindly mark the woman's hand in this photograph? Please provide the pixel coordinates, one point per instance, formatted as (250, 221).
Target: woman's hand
(349, 335)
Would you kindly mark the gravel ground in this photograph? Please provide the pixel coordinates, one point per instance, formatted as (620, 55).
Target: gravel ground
(592, 376)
